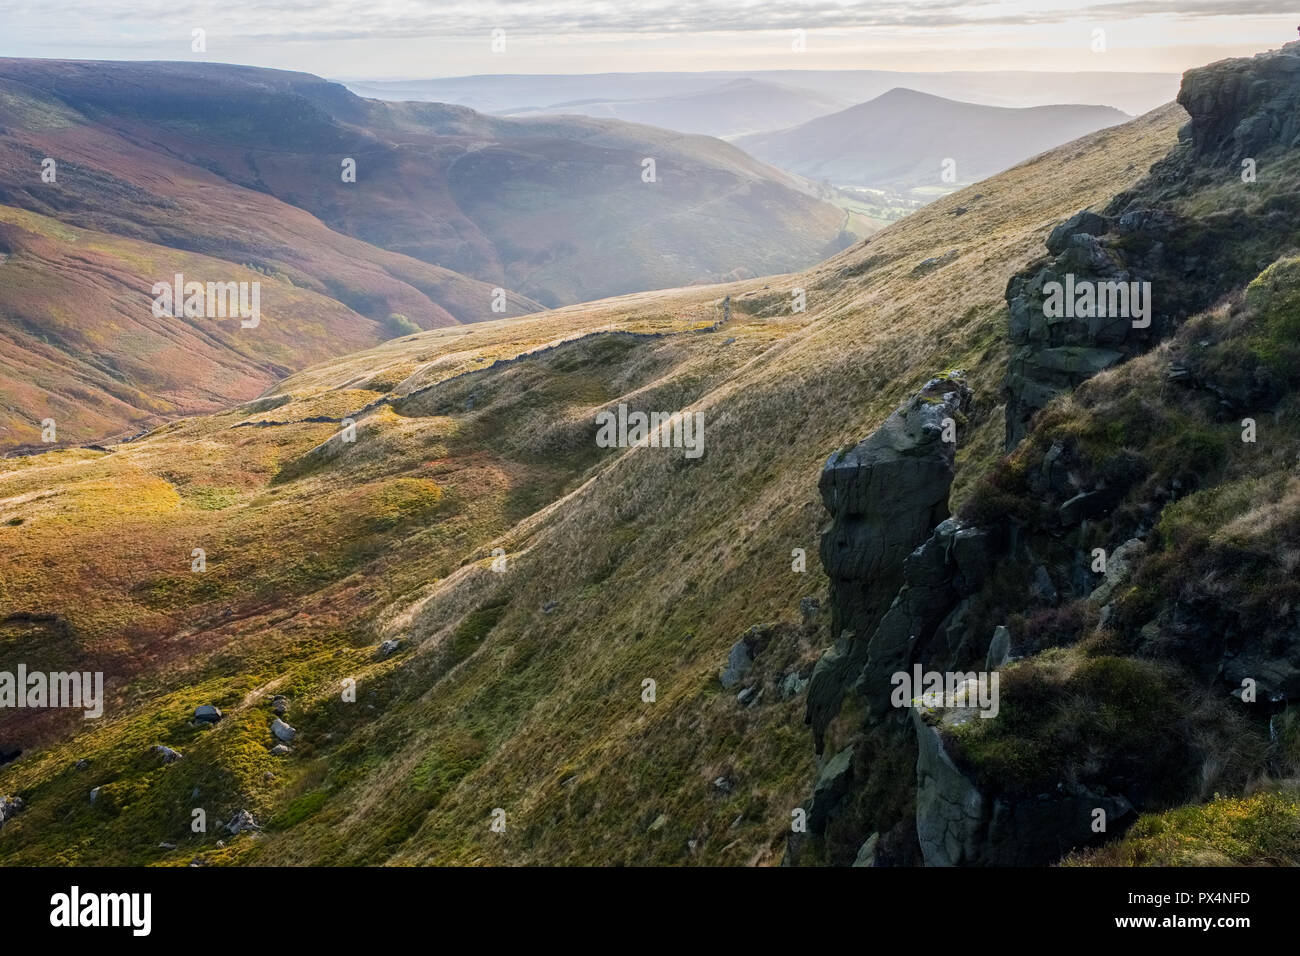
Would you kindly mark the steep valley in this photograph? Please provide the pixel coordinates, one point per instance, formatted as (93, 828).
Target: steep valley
(535, 627)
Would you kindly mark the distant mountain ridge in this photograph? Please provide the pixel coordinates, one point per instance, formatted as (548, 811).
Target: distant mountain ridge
(903, 138)
(731, 108)
(1132, 93)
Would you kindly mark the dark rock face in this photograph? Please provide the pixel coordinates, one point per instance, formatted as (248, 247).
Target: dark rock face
(927, 597)
(911, 587)
(1240, 109)
(1243, 108)
(885, 496)
(958, 825)
(1126, 264)
(832, 783)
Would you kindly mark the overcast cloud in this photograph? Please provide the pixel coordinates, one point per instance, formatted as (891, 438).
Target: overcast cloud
(364, 38)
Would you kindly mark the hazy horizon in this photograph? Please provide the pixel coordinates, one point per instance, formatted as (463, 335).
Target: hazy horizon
(396, 41)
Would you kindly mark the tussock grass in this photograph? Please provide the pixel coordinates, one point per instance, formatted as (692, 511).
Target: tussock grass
(624, 566)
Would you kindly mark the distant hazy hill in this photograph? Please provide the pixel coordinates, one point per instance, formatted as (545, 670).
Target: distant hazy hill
(1131, 92)
(732, 108)
(901, 139)
(228, 173)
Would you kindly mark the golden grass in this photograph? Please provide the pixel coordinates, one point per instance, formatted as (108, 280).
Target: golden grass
(650, 566)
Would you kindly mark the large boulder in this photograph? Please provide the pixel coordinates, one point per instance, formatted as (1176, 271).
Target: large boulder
(950, 810)
(741, 658)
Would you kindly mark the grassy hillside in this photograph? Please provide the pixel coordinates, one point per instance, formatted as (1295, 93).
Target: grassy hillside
(522, 690)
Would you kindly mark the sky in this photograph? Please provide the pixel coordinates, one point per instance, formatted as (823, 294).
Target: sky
(415, 39)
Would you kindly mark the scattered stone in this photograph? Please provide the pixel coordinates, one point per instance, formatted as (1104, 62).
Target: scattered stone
(999, 649)
(934, 262)
(793, 685)
(221, 844)
(387, 648)
(241, 822)
(166, 846)
(167, 754)
(748, 696)
(207, 714)
(549, 606)
(723, 784)
(660, 822)
(280, 750)
(94, 795)
(8, 807)
(282, 731)
(269, 777)
(82, 764)
(280, 704)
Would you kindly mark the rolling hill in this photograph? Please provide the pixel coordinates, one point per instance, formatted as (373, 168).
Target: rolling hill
(235, 174)
(901, 139)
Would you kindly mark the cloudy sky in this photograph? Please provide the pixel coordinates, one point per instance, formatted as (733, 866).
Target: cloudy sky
(348, 39)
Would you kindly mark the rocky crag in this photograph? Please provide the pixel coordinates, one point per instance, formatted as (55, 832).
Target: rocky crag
(1243, 125)
(1125, 688)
